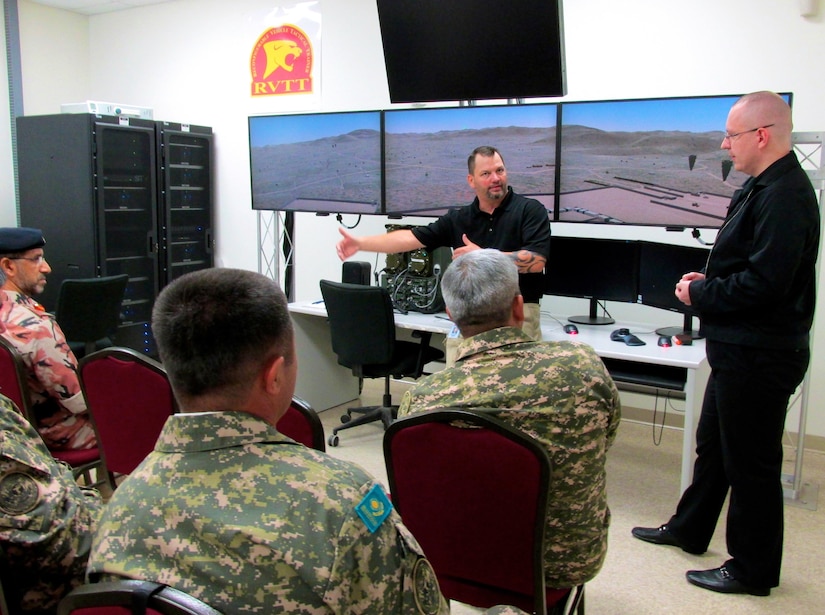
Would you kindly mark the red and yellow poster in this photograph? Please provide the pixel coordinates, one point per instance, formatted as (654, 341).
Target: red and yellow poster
(281, 62)
(284, 60)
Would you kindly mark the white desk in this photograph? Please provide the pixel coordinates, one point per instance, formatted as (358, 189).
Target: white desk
(324, 383)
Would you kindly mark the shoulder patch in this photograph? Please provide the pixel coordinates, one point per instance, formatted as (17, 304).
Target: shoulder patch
(374, 508)
(19, 494)
(425, 587)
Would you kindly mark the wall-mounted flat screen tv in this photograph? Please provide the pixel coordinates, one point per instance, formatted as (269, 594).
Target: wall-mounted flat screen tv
(653, 162)
(316, 162)
(426, 151)
(436, 50)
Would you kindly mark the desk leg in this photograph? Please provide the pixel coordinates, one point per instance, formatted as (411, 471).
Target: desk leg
(697, 380)
(322, 382)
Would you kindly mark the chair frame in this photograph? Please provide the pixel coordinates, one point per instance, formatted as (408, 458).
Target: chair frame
(135, 596)
(310, 416)
(481, 418)
(123, 354)
(22, 399)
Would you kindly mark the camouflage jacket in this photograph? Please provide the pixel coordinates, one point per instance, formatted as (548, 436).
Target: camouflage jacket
(46, 520)
(247, 520)
(561, 394)
(57, 400)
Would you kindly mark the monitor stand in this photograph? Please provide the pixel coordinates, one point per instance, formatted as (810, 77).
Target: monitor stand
(592, 319)
(686, 329)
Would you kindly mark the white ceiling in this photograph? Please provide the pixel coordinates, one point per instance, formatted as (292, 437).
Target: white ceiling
(96, 7)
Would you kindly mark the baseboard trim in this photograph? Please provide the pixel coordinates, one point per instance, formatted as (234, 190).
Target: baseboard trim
(676, 419)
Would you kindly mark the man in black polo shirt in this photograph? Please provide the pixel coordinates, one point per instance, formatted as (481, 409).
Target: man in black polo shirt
(497, 218)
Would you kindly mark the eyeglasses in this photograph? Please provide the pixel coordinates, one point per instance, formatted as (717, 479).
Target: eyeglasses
(37, 260)
(731, 137)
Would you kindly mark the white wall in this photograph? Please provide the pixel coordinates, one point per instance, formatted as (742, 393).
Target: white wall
(188, 60)
(8, 211)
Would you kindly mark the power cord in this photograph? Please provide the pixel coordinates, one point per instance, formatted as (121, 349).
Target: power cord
(697, 235)
(340, 219)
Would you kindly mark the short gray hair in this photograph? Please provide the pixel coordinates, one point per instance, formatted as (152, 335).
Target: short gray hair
(478, 288)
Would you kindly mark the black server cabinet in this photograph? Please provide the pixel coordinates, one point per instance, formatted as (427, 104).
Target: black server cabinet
(185, 158)
(118, 195)
(90, 183)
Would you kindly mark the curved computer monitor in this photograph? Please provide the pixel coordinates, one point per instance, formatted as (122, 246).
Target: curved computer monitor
(595, 269)
(661, 266)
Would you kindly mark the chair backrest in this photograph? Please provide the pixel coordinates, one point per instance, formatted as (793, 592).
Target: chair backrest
(476, 500)
(361, 323)
(13, 375)
(302, 424)
(129, 399)
(130, 597)
(89, 309)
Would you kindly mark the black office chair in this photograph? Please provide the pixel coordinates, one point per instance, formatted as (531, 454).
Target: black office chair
(362, 327)
(88, 311)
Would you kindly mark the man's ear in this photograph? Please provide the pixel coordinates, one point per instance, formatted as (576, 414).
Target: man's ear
(6, 264)
(518, 310)
(273, 374)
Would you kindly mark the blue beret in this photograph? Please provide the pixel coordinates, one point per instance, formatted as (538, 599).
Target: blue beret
(20, 239)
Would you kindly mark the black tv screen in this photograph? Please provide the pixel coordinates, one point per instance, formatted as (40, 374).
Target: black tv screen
(661, 266)
(595, 269)
(426, 151)
(654, 162)
(316, 162)
(437, 50)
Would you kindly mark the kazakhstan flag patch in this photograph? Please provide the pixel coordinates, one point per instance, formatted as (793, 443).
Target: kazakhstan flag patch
(374, 508)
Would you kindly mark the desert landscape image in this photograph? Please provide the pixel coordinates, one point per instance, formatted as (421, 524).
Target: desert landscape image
(642, 162)
(427, 150)
(646, 162)
(325, 162)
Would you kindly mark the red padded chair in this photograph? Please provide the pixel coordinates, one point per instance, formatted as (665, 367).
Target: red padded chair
(13, 375)
(130, 597)
(476, 499)
(129, 399)
(302, 424)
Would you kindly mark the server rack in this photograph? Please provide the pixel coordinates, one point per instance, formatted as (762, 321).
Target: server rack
(185, 199)
(110, 194)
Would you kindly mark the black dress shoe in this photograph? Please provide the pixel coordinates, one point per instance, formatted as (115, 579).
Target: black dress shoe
(663, 536)
(722, 581)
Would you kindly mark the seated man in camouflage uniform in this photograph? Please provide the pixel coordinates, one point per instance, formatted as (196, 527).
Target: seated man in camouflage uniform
(46, 520)
(560, 393)
(57, 401)
(235, 513)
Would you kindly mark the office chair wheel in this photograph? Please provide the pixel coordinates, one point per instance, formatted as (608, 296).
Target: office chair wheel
(346, 418)
(333, 440)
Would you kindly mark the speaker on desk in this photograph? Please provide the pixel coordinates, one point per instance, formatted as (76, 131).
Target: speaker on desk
(356, 272)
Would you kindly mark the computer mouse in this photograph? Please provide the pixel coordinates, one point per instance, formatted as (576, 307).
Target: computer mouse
(571, 329)
(624, 335)
(665, 341)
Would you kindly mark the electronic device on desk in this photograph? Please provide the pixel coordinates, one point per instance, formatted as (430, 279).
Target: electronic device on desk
(624, 335)
(356, 272)
(413, 279)
(595, 269)
(661, 266)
